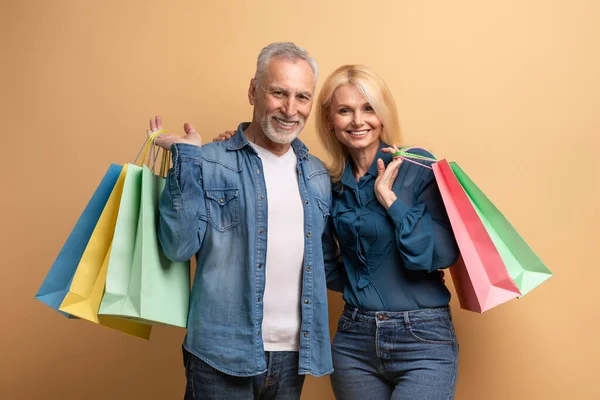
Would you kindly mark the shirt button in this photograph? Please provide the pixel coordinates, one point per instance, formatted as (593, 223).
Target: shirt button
(305, 334)
(258, 333)
(262, 197)
(308, 235)
(261, 231)
(305, 201)
(258, 171)
(258, 300)
(222, 200)
(259, 266)
(306, 301)
(300, 173)
(307, 269)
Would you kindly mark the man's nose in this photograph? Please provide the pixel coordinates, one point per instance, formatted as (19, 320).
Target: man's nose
(290, 107)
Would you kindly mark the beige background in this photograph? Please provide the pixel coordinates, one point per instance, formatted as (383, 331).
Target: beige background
(510, 89)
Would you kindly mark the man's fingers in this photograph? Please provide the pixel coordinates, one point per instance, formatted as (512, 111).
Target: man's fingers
(189, 129)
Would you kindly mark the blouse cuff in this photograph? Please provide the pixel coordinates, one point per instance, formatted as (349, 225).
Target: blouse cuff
(397, 210)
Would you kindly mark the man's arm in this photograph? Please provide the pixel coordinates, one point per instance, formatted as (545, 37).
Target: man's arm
(182, 222)
(182, 211)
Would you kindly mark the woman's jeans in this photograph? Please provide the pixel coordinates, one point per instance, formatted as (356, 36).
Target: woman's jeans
(395, 355)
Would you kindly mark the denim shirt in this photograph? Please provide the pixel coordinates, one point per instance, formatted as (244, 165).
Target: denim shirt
(214, 205)
(391, 257)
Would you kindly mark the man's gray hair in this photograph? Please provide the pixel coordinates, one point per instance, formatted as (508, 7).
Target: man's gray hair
(283, 49)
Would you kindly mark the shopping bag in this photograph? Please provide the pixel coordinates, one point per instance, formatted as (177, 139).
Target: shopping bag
(58, 280)
(86, 289)
(116, 300)
(525, 268)
(480, 276)
(142, 283)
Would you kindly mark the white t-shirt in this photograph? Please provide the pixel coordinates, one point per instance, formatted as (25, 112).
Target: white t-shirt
(285, 252)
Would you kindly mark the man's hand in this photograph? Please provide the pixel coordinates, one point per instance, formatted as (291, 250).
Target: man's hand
(166, 140)
(224, 136)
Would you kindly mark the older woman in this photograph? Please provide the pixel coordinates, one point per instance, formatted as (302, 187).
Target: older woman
(395, 338)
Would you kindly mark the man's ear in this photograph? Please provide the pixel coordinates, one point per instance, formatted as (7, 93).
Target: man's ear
(252, 92)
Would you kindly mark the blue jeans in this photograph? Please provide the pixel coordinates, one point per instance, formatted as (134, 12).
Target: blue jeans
(281, 381)
(395, 355)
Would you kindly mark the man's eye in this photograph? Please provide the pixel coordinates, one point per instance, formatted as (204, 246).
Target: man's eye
(277, 93)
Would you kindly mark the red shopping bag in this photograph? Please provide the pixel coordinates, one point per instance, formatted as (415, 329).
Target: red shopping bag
(480, 276)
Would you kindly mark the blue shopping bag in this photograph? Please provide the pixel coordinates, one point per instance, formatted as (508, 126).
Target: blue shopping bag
(58, 280)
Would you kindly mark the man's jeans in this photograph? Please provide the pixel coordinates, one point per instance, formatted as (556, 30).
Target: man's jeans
(395, 355)
(280, 382)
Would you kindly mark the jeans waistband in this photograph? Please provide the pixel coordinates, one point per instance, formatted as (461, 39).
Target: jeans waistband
(425, 314)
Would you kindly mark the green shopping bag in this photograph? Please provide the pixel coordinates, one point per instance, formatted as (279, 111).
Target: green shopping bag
(524, 266)
(142, 284)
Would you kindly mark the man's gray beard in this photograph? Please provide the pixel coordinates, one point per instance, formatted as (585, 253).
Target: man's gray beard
(276, 137)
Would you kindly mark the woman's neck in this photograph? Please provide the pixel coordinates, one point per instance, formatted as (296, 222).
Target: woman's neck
(362, 160)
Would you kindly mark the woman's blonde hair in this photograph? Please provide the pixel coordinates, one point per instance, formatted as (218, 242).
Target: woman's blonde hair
(379, 97)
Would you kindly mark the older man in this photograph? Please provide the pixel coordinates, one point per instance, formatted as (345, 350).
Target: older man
(254, 210)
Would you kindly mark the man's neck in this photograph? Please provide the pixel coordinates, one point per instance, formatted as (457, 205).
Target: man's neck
(255, 134)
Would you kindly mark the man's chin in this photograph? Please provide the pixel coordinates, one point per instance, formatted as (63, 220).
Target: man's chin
(283, 138)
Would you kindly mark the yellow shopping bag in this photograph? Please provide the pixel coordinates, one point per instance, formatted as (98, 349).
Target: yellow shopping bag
(87, 287)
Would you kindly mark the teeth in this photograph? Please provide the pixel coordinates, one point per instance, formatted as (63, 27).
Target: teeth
(358, 132)
(285, 123)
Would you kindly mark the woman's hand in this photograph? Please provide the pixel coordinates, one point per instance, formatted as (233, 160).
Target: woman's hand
(166, 140)
(386, 177)
(224, 136)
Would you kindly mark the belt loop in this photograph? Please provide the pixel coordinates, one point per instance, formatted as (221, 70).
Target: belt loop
(354, 313)
(406, 319)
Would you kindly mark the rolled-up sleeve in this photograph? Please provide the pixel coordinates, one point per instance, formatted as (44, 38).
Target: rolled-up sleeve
(182, 211)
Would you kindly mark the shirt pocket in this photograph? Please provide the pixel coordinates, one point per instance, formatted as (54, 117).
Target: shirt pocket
(222, 207)
(321, 214)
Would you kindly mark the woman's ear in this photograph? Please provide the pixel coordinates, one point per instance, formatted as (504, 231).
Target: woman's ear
(329, 123)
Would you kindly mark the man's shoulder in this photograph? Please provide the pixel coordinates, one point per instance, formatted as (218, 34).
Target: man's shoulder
(314, 165)
(214, 148)
(218, 153)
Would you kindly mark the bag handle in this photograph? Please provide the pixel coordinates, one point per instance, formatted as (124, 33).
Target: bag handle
(148, 147)
(413, 158)
(150, 154)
